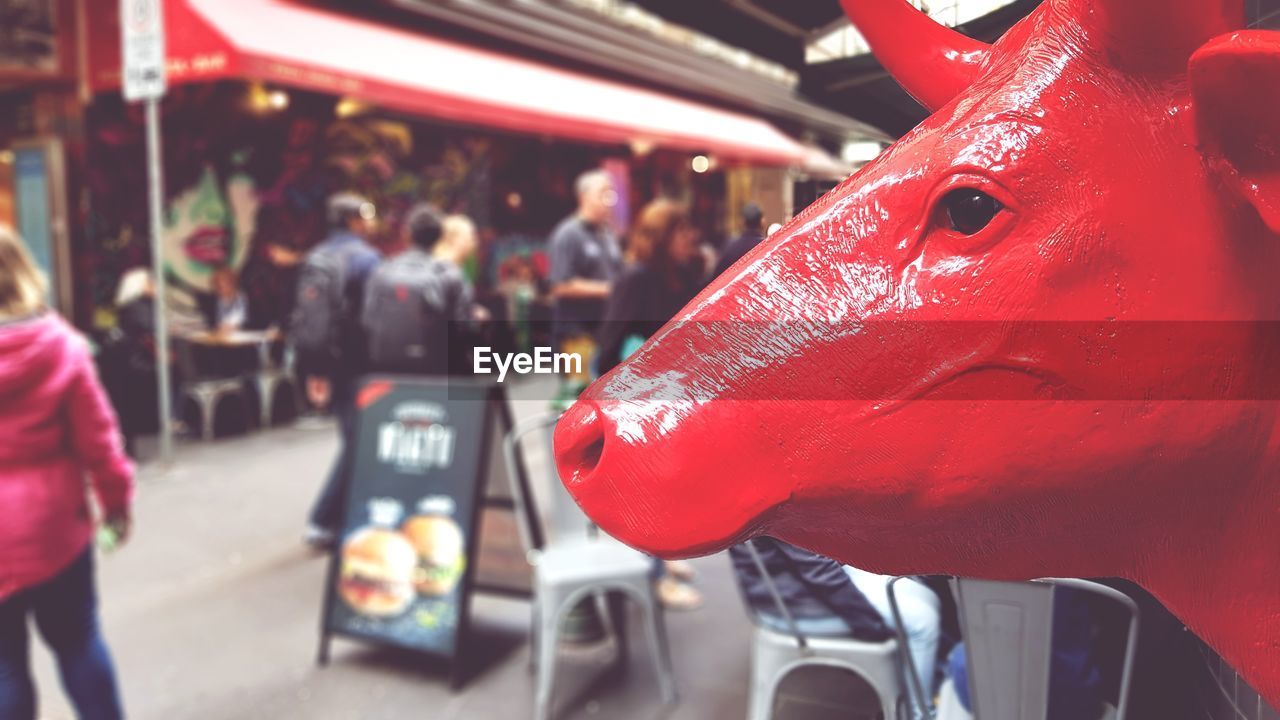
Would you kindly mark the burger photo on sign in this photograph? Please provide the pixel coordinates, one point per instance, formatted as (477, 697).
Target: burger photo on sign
(438, 545)
(377, 573)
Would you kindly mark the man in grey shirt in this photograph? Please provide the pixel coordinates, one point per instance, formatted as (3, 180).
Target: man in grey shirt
(585, 258)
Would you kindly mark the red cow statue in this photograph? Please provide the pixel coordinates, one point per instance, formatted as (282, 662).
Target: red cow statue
(1036, 337)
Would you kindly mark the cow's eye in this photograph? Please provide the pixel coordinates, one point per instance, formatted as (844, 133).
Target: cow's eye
(969, 210)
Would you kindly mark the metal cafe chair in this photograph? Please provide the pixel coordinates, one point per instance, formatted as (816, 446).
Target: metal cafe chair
(271, 377)
(1008, 634)
(915, 685)
(580, 563)
(776, 656)
(205, 391)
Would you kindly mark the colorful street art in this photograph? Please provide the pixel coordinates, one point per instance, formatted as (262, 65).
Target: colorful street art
(246, 189)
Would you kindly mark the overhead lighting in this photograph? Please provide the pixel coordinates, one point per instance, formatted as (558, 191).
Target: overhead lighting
(350, 107)
(277, 100)
(263, 100)
(700, 163)
(641, 147)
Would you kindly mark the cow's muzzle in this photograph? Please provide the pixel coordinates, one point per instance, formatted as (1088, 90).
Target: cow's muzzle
(579, 442)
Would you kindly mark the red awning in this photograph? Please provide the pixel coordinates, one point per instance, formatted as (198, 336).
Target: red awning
(280, 42)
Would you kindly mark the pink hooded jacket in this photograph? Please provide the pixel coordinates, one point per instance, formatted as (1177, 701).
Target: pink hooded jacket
(56, 429)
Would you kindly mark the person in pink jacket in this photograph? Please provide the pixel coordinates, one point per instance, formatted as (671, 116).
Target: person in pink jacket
(56, 430)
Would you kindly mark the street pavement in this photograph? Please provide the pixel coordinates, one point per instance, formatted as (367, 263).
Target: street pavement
(212, 612)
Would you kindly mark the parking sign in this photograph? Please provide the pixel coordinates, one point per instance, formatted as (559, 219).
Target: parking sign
(142, 45)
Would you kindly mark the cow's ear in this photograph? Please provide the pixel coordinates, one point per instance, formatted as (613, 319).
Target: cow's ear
(1235, 85)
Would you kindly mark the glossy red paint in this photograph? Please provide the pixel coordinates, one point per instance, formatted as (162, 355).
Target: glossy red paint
(937, 63)
(1076, 381)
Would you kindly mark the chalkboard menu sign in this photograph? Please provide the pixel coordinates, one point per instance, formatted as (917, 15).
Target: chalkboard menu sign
(402, 571)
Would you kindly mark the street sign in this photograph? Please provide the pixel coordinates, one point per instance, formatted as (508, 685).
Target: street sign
(142, 45)
(142, 74)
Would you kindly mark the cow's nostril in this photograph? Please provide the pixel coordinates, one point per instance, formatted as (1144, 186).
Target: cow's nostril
(579, 442)
(591, 454)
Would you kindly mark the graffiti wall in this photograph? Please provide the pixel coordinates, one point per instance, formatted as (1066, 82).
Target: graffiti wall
(246, 183)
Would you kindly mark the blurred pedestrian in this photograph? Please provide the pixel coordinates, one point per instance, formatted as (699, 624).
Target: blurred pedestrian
(825, 599)
(457, 248)
(418, 307)
(225, 310)
(584, 260)
(664, 270)
(752, 235)
(135, 309)
(58, 429)
(814, 591)
(330, 341)
(458, 243)
(127, 361)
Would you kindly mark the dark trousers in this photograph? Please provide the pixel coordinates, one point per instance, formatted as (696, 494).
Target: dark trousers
(329, 508)
(65, 609)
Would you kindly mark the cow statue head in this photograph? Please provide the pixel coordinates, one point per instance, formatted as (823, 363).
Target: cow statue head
(1033, 338)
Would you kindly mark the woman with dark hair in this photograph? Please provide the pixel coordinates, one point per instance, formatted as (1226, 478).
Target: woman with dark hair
(664, 270)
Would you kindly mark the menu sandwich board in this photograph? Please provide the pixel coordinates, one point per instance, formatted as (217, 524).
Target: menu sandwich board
(402, 572)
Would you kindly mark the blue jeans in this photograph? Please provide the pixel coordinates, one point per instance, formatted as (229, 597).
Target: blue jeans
(65, 609)
(328, 511)
(921, 616)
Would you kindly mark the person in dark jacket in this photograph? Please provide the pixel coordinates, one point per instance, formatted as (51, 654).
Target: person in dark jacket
(352, 223)
(828, 599)
(429, 334)
(752, 235)
(820, 597)
(663, 272)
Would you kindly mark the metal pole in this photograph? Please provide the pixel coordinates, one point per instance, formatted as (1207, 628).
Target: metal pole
(155, 192)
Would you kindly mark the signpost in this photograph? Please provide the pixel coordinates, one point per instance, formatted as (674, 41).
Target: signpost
(143, 75)
(404, 569)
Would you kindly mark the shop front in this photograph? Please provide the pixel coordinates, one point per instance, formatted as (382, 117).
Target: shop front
(39, 120)
(275, 105)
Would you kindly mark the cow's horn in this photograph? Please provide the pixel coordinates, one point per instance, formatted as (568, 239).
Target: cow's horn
(933, 62)
(1160, 35)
